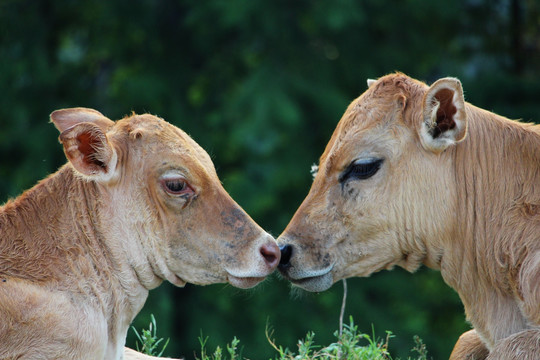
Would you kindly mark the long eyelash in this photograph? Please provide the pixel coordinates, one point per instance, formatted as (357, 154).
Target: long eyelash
(361, 171)
(363, 168)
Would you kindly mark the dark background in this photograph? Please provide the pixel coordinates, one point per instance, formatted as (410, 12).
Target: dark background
(261, 86)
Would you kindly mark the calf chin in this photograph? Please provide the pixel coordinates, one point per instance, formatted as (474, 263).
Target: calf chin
(258, 267)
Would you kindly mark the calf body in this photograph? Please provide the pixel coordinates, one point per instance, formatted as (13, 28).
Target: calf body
(139, 202)
(414, 175)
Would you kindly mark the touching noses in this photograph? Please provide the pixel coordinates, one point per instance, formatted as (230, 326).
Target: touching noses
(286, 253)
(271, 254)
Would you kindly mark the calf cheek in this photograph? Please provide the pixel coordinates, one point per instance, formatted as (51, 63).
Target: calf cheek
(193, 241)
(218, 235)
(190, 248)
(358, 231)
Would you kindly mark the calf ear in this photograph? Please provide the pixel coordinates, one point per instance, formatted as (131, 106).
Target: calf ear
(65, 118)
(83, 135)
(444, 118)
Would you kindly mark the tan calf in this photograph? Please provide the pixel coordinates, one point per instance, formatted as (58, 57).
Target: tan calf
(415, 175)
(139, 202)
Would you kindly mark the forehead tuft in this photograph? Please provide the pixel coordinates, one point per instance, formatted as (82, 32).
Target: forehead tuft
(374, 109)
(372, 106)
(153, 134)
(135, 125)
(150, 127)
(397, 83)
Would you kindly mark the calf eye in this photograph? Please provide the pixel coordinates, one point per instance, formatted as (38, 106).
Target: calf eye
(176, 185)
(361, 169)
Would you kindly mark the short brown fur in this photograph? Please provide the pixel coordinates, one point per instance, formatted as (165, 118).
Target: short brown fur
(80, 250)
(458, 191)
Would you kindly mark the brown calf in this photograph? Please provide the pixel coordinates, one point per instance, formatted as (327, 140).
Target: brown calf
(139, 202)
(415, 175)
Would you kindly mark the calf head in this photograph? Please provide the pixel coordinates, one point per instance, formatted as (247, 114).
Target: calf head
(161, 203)
(383, 192)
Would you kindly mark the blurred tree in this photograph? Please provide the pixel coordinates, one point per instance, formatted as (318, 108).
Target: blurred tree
(260, 85)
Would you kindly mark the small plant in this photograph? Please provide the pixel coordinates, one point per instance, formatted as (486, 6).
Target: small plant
(420, 348)
(149, 340)
(347, 347)
(218, 353)
(350, 345)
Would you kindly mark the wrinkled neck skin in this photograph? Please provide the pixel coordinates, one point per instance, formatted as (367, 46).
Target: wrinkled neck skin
(496, 170)
(128, 259)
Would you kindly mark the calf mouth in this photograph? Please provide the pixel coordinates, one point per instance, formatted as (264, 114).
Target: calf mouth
(309, 280)
(244, 282)
(267, 260)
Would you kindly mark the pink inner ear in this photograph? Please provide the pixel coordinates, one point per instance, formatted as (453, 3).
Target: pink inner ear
(445, 113)
(88, 146)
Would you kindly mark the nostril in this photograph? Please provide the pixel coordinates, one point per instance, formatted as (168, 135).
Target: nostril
(271, 254)
(286, 253)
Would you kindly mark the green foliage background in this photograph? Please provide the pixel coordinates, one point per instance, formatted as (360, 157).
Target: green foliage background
(260, 85)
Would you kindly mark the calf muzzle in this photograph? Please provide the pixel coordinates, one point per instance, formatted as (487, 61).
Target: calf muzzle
(271, 254)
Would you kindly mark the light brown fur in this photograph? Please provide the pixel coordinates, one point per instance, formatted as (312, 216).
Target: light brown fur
(458, 190)
(80, 251)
